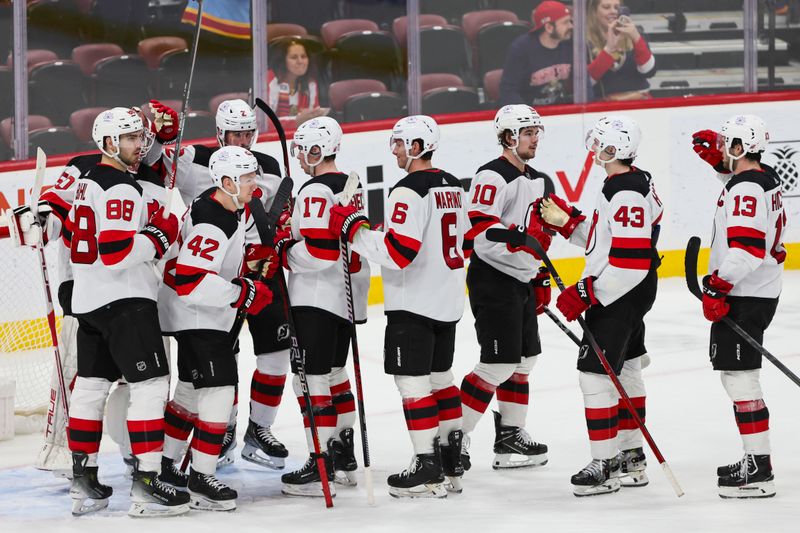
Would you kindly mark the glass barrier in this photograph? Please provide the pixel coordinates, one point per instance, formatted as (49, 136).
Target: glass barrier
(6, 81)
(778, 45)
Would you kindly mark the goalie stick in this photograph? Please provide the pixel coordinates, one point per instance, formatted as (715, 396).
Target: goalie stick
(690, 266)
(518, 238)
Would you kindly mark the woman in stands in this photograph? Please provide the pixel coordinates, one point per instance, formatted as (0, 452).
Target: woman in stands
(293, 89)
(620, 59)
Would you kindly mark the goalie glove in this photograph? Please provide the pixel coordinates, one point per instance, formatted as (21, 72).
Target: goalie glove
(23, 227)
(555, 214)
(165, 122)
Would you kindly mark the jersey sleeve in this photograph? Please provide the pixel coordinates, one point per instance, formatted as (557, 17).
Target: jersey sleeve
(398, 246)
(317, 248)
(60, 197)
(199, 261)
(630, 222)
(747, 216)
(119, 242)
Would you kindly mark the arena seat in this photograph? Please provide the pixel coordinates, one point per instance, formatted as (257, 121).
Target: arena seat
(450, 51)
(153, 49)
(492, 43)
(374, 106)
(473, 21)
(56, 89)
(450, 100)
(35, 57)
(400, 26)
(54, 140)
(428, 82)
(452, 10)
(81, 122)
(491, 84)
(120, 80)
(340, 91)
(87, 55)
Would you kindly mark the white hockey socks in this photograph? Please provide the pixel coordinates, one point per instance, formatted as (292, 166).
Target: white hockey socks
(180, 416)
(448, 403)
(343, 400)
(630, 436)
(146, 421)
(322, 407)
(477, 390)
(420, 410)
(86, 416)
(601, 402)
(213, 411)
(266, 388)
(752, 416)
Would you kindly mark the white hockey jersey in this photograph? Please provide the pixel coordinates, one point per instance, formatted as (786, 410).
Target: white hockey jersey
(500, 196)
(421, 250)
(197, 292)
(316, 276)
(620, 236)
(747, 243)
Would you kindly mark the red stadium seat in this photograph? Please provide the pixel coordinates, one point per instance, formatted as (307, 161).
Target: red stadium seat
(400, 25)
(81, 122)
(340, 91)
(473, 21)
(88, 55)
(35, 57)
(279, 29)
(491, 84)
(154, 48)
(334, 29)
(35, 122)
(438, 81)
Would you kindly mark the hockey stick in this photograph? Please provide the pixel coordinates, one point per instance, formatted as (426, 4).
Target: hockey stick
(690, 264)
(346, 197)
(262, 105)
(563, 327)
(518, 238)
(184, 103)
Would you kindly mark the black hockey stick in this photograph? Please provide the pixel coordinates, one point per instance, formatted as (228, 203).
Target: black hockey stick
(690, 265)
(262, 105)
(518, 238)
(563, 327)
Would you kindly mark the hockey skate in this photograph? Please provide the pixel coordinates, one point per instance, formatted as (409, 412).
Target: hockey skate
(306, 480)
(465, 459)
(172, 475)
(632, 468)
(343, 457)
(262, 448)
(452, 462)
(514, 448)
(152, 497)
(601, 476)
(754, 479)
(424, 478)
(228, 445)
(86, 488)
(210, 494)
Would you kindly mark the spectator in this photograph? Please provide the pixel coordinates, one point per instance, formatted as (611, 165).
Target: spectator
(620, 60)
(292, 85)
(538, 67)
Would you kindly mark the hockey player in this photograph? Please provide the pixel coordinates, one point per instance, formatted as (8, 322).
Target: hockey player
(236, 126)
(199, 307)
(746, 266)
(319, 307)
(423, 280)
(617, 289)
(507, 289)
(114, 244)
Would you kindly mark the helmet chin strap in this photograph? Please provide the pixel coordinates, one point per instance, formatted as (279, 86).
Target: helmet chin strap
(234, 196)
(516, 154)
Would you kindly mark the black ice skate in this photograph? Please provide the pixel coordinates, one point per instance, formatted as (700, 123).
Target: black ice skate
(754, 479)
(514, 448)
(465, 459)
(209, 493)
(598, 477)
(306, 480)
(343, 456)
(87, 493)
(424, 478)
(632, 468)
(228, 445)
(452, 462)
(727, 470)
(152, 497)
(262, 448)
(172, 475)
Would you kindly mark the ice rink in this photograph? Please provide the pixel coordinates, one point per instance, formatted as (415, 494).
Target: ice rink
(688, 413)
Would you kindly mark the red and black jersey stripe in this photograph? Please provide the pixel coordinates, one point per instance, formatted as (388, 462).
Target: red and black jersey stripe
(480, 223)
(403, 250)
(635, 253)
(115, 245)
(188, 277)
(750, 240)
(57, 204)
(321, 243)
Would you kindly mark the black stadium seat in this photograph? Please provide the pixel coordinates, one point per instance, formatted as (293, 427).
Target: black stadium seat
(373, 106)
(200, 125)
(312, 14)
(6, 92)
(121, 80)
(493, 42)
(450, 100)
(452, 10)
(445, 49)
(57, 140)
(56, 89)
(365, 55)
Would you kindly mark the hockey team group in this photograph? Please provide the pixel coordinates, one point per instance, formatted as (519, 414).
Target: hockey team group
(132, 273)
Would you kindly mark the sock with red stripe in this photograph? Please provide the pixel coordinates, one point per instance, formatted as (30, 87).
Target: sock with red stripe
(448, 403)
(179, 418)
(86, 416)
(420, 410)
(213, 412)
(477, 390)
(146, 421)
(752, 416)
(512, 400)
(601, 410)
(266, 387)
(630, 436)
(343, 400)
(322, 407)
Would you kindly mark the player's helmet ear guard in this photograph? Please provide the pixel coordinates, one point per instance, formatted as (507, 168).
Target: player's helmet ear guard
(235, 115)
(322, 132)
(412, 128)
(114, 123)
(232, 162)
(750, 129)
(619, 131)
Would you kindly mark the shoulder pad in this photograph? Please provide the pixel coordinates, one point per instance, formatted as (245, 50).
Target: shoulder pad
(422, 181)
(332, 180)
(206, 210)
(84, 162)
(107, 177)
(635, 180)
(502, 167)
(767, 180)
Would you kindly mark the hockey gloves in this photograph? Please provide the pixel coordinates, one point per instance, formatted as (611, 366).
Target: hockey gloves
(704, 143)
(165, 122)
(254, 296)
(283, 241)
(536, 232)
(262, 259)
(161, 231)
(541, 289)
(557, 215)
(715, 289)
(23, 227)
(577, 298)
(346, 220)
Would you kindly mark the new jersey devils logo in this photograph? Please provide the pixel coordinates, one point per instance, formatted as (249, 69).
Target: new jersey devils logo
(283, 332)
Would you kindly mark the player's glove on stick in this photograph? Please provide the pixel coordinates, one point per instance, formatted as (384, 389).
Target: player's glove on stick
(346, 220)
(254, 296)
(704, 144)
(165, 122)
(262, 259)
(535, 231)
(577, 298)
(557, 215)
(715, 291)
(541, 289)
(23, 227)
(283, 241)
(161, 231)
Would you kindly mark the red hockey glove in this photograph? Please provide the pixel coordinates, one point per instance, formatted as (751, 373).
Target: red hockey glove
(285, 220)
(704, 143)
(541, 289)
(534, 231)
(161, 231)
(555, 214)
(283, 241)
(262, 259)
(715, 289)
(346, 220)
(576, 299)
(253, 297)
(165, 122)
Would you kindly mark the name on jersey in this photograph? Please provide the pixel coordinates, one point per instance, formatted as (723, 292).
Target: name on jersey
(447, 200)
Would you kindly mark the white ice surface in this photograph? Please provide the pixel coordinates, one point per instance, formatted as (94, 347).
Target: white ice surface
(688, 414)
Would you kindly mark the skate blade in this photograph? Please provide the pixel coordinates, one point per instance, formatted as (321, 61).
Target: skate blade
(346, 479)
(763, 489)
(453, 485)
(199, 501)
(634, 479)
(152, 509)
(308, 490)
(62, 474)
(609, 487)
(225, 460)
(80, 506)
(513, 460)
(257, 456)
(427, 490)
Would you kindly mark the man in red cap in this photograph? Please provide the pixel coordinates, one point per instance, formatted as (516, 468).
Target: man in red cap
(538, 67)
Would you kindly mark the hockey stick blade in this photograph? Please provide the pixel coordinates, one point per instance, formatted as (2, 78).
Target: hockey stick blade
(265, 221)
(690, 267)
(349, 190)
